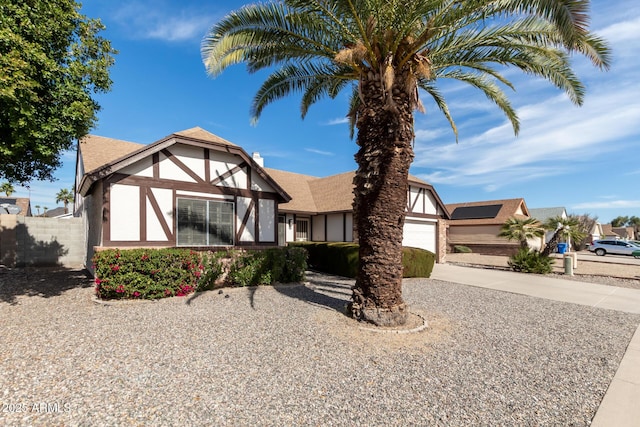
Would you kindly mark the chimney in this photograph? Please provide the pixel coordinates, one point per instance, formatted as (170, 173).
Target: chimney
(256, 158)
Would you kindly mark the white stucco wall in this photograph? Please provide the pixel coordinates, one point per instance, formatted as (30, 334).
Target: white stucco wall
(124, 212)
(267, 225)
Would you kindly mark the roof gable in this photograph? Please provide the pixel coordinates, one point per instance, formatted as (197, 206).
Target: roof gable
(107, 155)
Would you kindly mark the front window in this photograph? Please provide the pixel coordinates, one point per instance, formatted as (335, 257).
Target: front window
(205, 223)
(302, 229)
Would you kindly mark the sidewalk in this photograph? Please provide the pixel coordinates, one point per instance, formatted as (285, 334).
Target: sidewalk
(619, 406)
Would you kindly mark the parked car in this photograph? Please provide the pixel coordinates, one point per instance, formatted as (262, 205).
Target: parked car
(620, 247)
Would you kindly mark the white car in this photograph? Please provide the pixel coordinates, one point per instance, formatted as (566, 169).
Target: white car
(619, 247)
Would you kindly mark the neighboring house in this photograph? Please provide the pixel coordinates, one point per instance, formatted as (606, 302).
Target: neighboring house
(608, 232)
(625, 233)
(321, 209)
(543, 214)
(58, 212)
(15, 206)
(195, 189)
(477, 225)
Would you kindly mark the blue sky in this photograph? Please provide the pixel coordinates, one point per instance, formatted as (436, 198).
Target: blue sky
(583, 158)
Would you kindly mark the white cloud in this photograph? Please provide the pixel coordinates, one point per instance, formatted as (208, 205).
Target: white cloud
(338, 121)
(555, 136)
(323, 153)
(151, 20)
(609, 204)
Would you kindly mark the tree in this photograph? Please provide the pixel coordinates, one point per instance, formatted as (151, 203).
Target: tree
(619, 221)
(634, 222)
(522, 230)
(7, 188)
(51, 60)
(385, 51)
(65, 196)
(569, 229)
(38, 209)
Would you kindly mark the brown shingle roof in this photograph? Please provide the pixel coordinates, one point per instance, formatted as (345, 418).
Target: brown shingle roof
(297, 186)
(203, 135)
(314, 195)
(510, 208)
(98, 151)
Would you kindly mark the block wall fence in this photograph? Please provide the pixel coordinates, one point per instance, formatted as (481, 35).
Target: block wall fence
(39, 241)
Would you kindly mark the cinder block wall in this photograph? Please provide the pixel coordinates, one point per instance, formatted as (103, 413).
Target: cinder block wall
(37, 241)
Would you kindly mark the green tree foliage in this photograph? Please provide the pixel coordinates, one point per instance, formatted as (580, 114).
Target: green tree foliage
(7, 189)
(619, 221)
(521, 230)
(384, 51)
(51, 62)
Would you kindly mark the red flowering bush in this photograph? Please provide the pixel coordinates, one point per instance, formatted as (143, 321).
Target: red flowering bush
(161, 273)
(146, 273)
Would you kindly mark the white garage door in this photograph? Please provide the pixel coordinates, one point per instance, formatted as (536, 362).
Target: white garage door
(419, 234)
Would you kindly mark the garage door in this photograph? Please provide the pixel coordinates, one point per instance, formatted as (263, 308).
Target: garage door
(419, 234)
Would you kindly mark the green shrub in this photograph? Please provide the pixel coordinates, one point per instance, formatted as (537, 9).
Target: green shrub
(459, 249)
(417, 262)
(159, 273)
(146, 273)
(527, 261)
(266, 267)
(343, 258)
(214, 268)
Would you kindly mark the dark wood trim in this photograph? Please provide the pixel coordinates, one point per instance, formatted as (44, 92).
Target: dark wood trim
(136, 244)
(256, 221)
(326, 227)
(228, 173)
(106, 214)
(245, 219)
(422, 215)
(344, 227)
(249, 173)
(188, 186)
(156, 209)
(156, 165)
(207, 165)
(182, 166)
(413, 205)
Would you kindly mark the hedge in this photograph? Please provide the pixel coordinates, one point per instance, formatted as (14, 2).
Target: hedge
(342, 259)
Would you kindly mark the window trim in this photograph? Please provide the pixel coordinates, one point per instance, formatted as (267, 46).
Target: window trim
(207, 222)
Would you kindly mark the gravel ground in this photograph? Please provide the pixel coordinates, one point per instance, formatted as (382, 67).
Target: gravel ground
(286, 355)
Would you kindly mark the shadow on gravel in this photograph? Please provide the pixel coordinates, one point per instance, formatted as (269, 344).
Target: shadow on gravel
(331, 292)
(43, 282)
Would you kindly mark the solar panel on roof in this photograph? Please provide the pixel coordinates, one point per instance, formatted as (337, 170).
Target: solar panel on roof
(476, 212)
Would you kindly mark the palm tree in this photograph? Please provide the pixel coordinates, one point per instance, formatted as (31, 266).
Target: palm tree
(38, 208)
(65, 196)
(7, 188)
(569, 229)
(522, 230)
(385, 51)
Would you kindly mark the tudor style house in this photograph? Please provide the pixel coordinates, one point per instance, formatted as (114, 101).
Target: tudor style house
(195, 189)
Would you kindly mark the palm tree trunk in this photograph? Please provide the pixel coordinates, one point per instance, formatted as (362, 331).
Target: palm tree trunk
(552, 244)
(385, 135)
